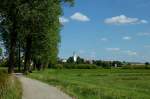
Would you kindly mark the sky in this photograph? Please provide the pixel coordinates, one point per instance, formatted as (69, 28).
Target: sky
(106, 30)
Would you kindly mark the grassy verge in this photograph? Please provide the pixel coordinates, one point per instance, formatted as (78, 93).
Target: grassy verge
(10, 87)
(99, 83)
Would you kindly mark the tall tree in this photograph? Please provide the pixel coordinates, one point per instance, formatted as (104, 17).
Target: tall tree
(9, 10)
(42, 37)
(35, 25)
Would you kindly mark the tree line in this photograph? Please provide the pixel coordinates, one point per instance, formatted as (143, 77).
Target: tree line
(30, 31)
(100, 63)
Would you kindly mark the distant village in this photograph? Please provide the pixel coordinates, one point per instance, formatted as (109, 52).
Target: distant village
(78, 60)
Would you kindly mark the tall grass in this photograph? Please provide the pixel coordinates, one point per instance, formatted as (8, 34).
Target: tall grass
(10, 87)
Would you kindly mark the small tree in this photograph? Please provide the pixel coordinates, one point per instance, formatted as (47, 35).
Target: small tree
(147, 63)
(70, 60)
(80, 60)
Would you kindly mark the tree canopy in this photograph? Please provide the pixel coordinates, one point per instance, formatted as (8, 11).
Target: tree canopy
(33, 27)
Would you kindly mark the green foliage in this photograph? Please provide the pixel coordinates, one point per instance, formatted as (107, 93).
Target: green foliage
(4, 63)
(117, 63)
(136, 67)
(1, 51)
(70, 60)
(34, 26)
(79, 66)
(80, 60)
(74, 66)
(9, 11)
(104, 64)
(108, 64)
(99, 83)
(147, 63)
(57, 66)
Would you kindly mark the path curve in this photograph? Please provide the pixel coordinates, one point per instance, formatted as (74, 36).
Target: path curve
(33, 89)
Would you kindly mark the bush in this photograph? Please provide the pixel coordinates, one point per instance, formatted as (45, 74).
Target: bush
(4, 63)
(74, 66)
(79, 66)
(57, 66)
(136, 67)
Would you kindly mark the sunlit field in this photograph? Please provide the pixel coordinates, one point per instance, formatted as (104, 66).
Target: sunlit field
(99, 83)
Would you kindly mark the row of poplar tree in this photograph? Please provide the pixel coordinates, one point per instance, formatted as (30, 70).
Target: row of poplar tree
(33, 27)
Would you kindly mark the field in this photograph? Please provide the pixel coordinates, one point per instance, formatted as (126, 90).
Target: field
(10, 87)
(99, 83)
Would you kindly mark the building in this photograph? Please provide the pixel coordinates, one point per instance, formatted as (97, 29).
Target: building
(75, 57)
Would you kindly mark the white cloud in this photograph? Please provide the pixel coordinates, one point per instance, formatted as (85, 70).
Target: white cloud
(127, 52)
(122, 19)
(104, 39)
(63, 20)
(144, 34)
(126, 38)
(80, 17)
(113, 49)
(144, 21)
(131, 53)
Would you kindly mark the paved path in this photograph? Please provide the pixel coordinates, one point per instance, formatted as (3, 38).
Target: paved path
(33, 89)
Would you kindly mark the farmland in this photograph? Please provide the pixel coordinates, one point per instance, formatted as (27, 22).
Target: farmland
(99, 83)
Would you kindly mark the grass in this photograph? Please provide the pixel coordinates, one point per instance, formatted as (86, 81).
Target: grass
(99, 83)
(10, 87)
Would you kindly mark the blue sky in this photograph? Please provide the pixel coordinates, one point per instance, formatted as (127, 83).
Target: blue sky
(107, 30)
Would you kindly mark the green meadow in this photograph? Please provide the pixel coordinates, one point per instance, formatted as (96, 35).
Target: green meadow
(99, 83)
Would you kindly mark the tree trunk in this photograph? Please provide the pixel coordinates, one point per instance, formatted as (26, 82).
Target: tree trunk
(19, 56)
(12, 54)
(12, 49)
(28, 54)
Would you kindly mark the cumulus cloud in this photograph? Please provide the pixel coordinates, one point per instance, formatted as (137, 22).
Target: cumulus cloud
(144, 34)
(127, 38)
(144, 21)
(104, 39)
(113, 49)
(80, 17)
(122, 19)
(63, 20)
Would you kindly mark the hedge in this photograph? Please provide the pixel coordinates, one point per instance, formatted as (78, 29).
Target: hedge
(75, 66)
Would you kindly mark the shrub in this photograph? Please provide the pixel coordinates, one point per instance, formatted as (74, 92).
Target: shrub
(74, 66)
(57, 66)
(136, 67)
(79, 66)
(4, 63)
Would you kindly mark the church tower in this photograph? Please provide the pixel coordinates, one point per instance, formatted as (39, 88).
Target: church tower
(74, 57)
